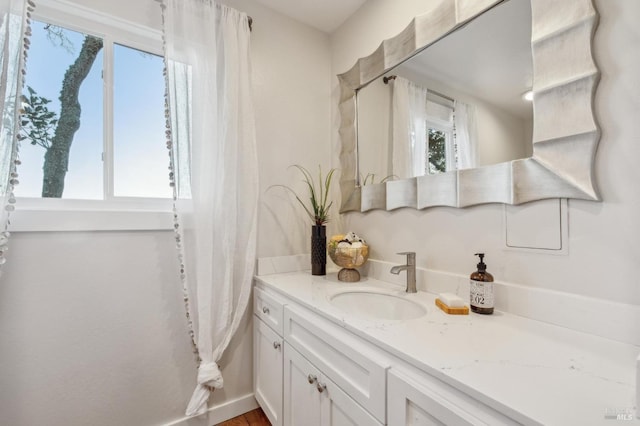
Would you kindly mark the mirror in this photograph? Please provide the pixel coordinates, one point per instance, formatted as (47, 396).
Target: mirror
(551, 156)
(457, 104)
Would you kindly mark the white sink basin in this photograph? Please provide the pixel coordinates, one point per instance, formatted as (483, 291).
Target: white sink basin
(376, 304)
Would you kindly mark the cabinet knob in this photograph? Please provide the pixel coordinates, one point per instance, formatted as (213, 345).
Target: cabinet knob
(265, 310)
(321, 387)
(276, 345)
(311, 378)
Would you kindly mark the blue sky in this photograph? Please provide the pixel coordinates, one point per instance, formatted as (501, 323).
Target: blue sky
(140, 156)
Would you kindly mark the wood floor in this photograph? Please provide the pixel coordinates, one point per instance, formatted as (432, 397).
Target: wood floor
(252, 418)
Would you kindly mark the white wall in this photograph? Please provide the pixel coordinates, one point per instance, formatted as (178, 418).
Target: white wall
(603, 251)
(92, 330)
(502, 136)
(292, 89)
(92, 327)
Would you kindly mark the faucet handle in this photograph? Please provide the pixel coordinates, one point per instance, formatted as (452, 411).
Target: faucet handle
(411, 256)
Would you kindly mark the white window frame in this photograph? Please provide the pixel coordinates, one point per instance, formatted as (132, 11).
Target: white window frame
(111, 213)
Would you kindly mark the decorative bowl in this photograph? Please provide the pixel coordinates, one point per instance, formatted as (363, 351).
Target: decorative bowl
(348, 258)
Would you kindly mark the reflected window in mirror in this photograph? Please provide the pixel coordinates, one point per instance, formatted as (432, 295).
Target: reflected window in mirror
(440, 147)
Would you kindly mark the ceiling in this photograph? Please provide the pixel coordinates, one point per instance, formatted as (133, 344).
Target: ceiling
(325, 15)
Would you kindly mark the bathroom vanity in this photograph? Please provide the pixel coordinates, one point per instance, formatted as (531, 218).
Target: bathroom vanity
(319, 362)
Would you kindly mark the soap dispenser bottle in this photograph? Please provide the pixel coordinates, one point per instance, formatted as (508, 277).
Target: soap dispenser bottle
(481, 287)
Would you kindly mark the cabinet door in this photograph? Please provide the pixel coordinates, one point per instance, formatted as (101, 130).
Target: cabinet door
(419, 401)
(338, 409)
(301, 395)
(410, 405)
(312, 399)
(267, 370)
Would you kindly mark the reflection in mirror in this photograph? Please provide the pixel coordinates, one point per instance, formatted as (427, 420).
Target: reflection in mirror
(456, 105)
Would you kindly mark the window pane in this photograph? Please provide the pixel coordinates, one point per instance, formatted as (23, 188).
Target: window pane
(437, 159)
(141, 158)
(53, 51)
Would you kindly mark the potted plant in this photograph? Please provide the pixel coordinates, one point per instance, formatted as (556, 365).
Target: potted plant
(318, 211)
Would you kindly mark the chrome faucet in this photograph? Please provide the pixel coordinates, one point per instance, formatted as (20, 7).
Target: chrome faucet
(410, 267)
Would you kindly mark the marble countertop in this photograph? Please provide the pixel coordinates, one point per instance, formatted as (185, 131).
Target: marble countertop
(532, 371)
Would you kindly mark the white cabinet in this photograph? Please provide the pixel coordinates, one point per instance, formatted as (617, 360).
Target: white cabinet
(267, 368)
(312, 399)
(309, 371)
(268, 347)
(417, 399)
(292, 390)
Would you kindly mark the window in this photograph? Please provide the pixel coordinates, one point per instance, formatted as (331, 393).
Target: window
(53, 50)
(117, 175)
(439, 141)
(440, 149)
(140, 157)
(94, 114)
(451, 135)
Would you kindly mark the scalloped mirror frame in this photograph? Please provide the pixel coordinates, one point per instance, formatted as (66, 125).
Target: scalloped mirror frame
(565, 131)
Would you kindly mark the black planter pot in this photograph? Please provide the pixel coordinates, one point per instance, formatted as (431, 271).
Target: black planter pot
(318, 250)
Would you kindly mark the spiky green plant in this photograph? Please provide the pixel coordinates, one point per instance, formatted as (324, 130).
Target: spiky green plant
(318, 196)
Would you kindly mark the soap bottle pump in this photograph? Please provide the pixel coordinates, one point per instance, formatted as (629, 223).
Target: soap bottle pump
(481, 287)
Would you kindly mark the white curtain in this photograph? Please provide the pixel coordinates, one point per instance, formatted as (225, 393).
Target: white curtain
(409, 111)
(465, 134)
(212, 137)
(14, 33)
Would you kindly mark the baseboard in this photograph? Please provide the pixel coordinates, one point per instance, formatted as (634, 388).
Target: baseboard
(220, 413)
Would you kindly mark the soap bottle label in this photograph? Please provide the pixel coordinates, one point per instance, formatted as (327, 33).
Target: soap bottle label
(481, 294)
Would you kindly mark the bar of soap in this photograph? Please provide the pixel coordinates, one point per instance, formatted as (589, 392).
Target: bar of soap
(452, 311)
(451, 300)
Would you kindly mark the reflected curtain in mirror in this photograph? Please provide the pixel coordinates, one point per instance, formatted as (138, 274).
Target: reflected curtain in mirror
(14, 39)
(408, 128)
(214, 174)
(465, 134)
(430, 133)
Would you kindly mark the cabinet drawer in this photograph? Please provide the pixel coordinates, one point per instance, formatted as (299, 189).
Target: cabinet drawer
(415, 398)
(268, 308)
(351, 363)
